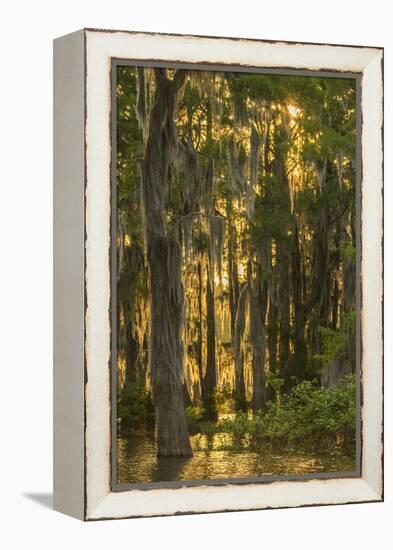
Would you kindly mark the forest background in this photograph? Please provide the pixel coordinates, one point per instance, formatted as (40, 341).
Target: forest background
(237, 215)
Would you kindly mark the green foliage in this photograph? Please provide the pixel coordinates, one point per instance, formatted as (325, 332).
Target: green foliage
(194, 415)
(309, 416)
(224, 396)
(334, 343)
(348, 251)
(195, 412)
(207, 428)
(272, 214)
(239, 400)
(135, 408)
(274, 381)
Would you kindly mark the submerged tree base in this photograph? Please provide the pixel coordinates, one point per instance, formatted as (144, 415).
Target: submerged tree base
(311, 430)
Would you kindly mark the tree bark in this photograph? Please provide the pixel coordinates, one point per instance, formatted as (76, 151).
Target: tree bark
(164, 259)
(299, 342)
(240, 387)
(257, 338)
(131, 348)
(282, 254)
(272, 334)
(283, 311)
(234, 295)
(127, 343)
(200, 333)
(210, 379)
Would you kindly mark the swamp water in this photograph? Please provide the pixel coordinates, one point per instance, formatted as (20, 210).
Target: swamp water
(215, 458)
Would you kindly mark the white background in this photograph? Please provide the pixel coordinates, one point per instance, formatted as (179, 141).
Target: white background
(26, 274)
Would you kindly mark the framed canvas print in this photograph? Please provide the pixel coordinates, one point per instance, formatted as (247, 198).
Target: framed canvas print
(218, 274)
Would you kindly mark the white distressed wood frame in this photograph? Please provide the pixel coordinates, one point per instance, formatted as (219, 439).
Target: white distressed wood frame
(82, 484)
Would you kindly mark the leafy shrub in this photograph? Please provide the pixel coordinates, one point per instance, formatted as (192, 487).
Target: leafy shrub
(194, 414)
(135, 409)
(308, 416)
(224, 398)
(337, 342)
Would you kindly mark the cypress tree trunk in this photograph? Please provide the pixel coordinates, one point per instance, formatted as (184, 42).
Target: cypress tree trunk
(233, 280)
(283, 312)
(349, 272)
(125, 335)
(131, 345)
(234, 295)
(200, 333)
(334, 304)
(186, 395)
(240, 387)
(345, 363)
(272, 334)
(321, 256)
(164, 259)
(320, 264)
(258, 359)
(257, 338)
(210, 380)
(299, 342)
(282, 254)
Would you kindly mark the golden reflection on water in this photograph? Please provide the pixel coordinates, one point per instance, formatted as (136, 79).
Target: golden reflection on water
(214, 458)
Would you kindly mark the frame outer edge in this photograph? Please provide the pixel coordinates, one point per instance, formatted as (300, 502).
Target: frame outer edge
(68, 272)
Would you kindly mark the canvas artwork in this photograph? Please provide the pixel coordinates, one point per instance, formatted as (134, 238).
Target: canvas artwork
(235, 230)
(218, 274)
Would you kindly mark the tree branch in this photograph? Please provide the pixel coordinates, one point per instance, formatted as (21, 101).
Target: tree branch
(202, 214)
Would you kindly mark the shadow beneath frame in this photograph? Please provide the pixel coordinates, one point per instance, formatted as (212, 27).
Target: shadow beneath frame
(45, 499)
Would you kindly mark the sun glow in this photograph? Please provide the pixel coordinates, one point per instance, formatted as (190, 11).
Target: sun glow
(293, 110)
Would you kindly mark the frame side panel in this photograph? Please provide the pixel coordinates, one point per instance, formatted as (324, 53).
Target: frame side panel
(372, 274)
(68, 253)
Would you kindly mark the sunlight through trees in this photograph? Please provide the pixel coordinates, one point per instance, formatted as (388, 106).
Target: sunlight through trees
(236, 249)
